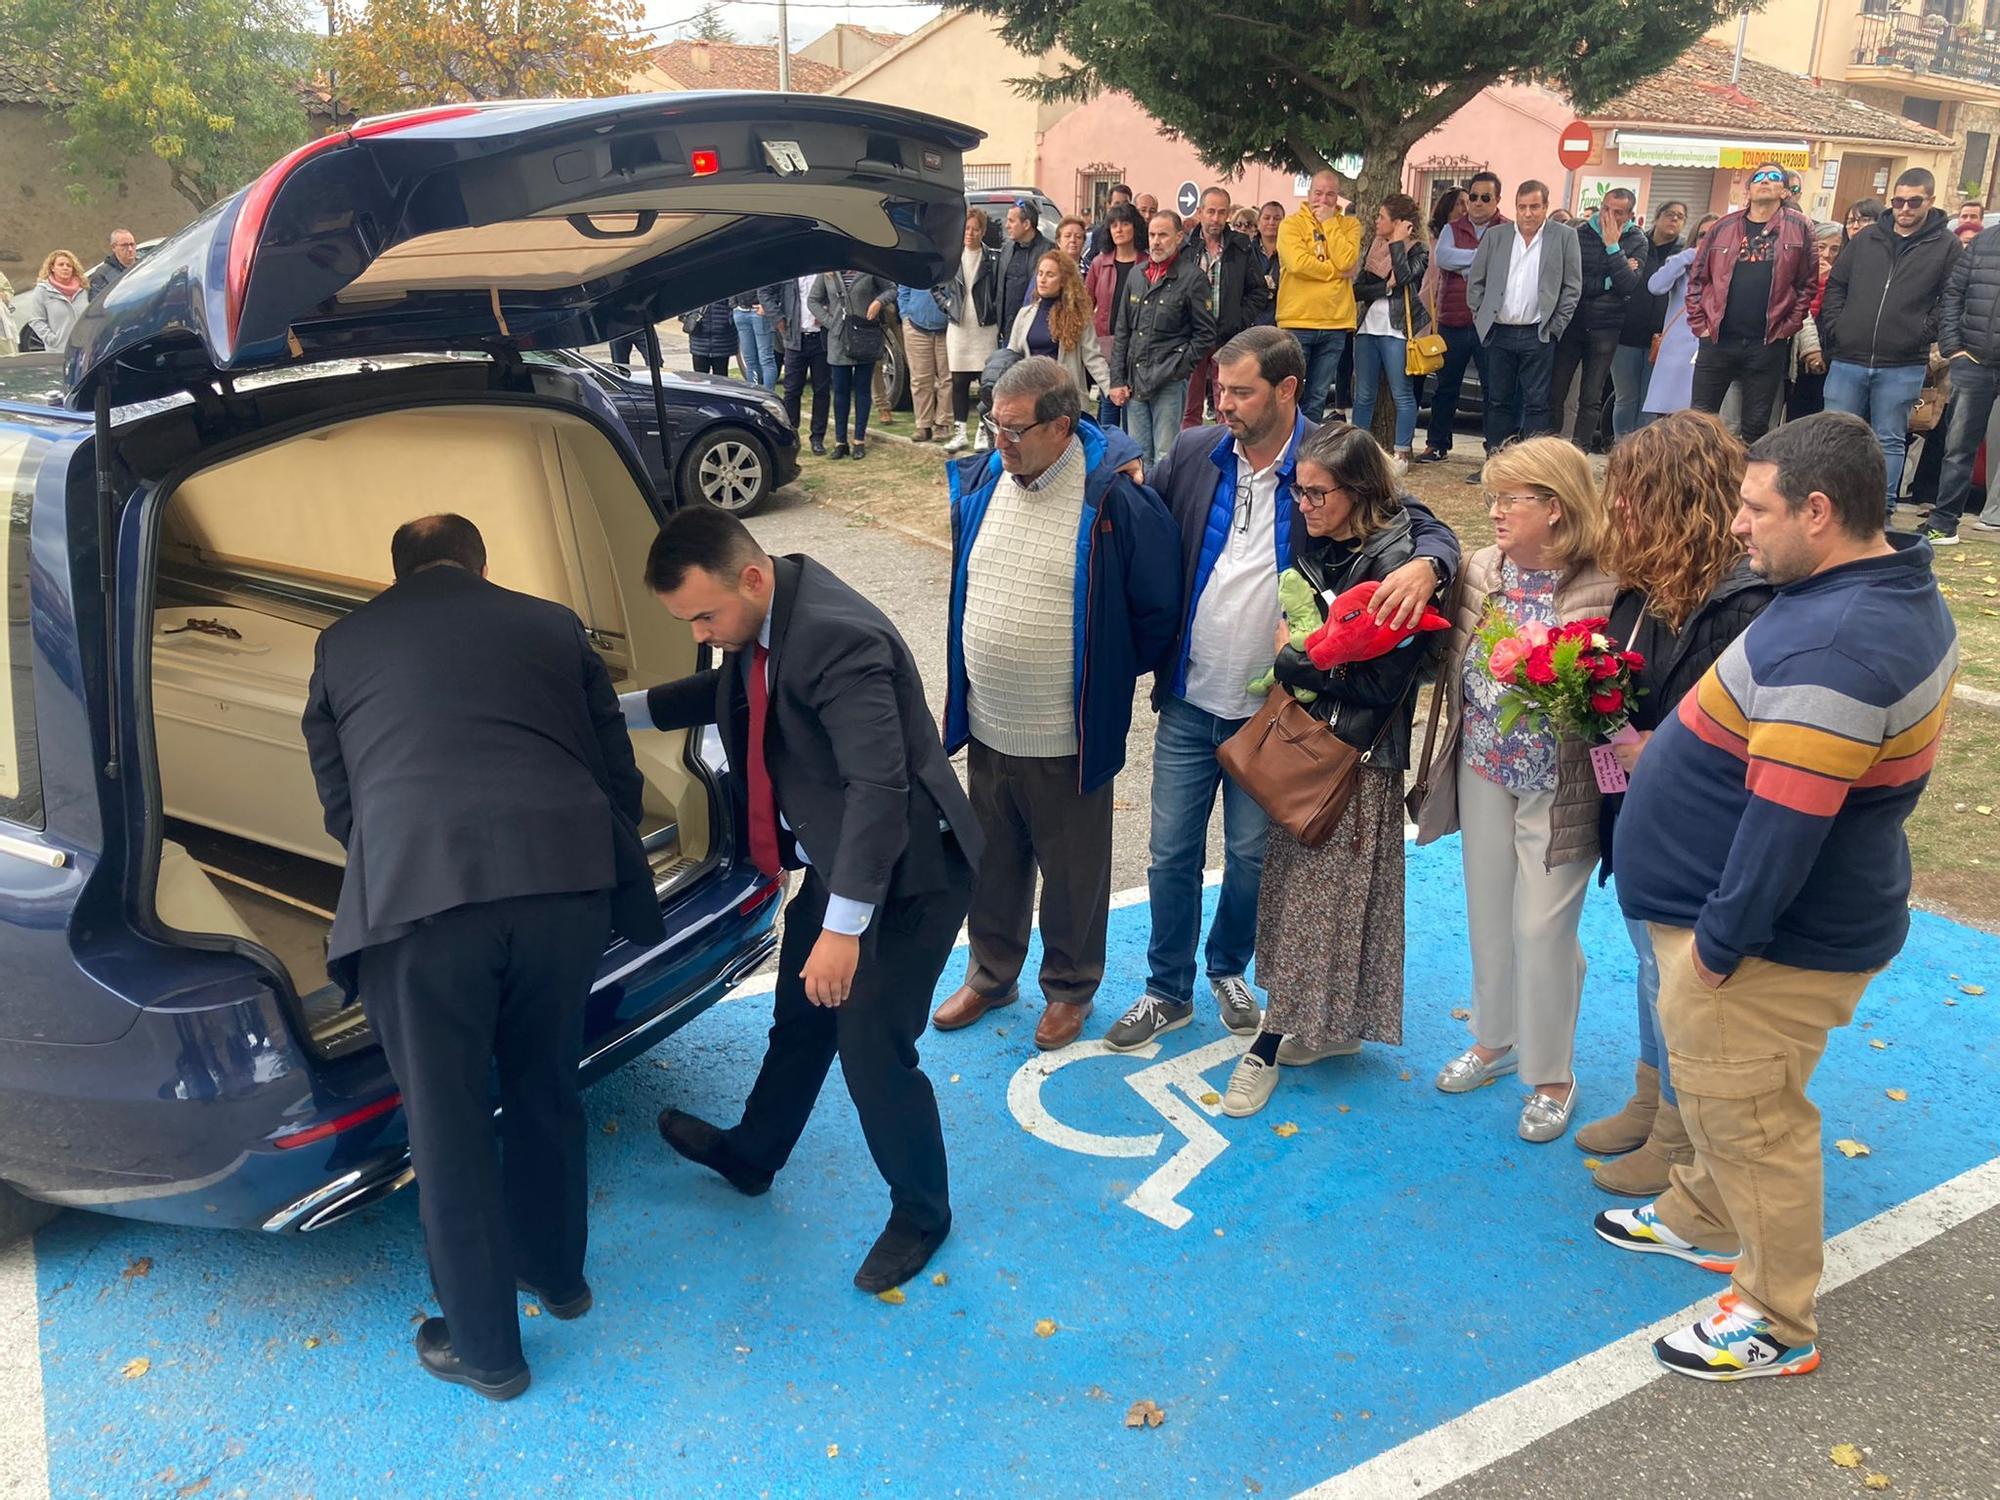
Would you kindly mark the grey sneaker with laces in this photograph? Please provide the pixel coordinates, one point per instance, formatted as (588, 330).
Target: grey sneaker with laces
(1151, 1017)
(1238, 1004)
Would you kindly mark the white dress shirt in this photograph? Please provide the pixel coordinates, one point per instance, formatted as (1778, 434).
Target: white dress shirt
(1229, 642)
(807, 322)
(1523, 300)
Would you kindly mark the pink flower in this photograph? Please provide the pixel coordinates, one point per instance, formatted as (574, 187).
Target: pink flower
(1508, 654)
(1535, 633)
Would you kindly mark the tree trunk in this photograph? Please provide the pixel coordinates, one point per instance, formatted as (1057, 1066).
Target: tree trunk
(1381, 175)
(190, 190)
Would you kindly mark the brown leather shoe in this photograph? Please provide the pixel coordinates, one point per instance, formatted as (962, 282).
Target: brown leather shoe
(1060, 1025)
(967, 1006)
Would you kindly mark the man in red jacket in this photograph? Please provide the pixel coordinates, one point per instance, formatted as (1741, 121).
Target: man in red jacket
(1748, 291)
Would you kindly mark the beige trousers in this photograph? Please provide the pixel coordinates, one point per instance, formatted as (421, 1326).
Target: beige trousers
(930, 377)
(1527, 965)
(1741, 1057)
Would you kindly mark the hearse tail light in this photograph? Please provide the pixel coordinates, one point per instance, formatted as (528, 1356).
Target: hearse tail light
(292, 1140)
(704, 163)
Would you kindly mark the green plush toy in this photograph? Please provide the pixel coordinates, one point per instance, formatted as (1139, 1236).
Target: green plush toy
(1301, 608)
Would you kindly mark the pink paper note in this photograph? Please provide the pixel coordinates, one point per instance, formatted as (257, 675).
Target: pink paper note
(1610, 775)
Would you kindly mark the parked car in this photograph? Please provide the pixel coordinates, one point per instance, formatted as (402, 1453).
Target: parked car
(248, 414)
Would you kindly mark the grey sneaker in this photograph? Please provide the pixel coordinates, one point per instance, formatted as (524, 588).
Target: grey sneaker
(1297, 1055)
(1466, 1072)
(1151, 1017)
(1545, 1119)
(1941, 538)
(1250, 1086)
(1238, 1004)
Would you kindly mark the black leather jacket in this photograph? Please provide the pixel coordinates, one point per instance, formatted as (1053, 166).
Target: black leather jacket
(1367, 702)
(951, 294)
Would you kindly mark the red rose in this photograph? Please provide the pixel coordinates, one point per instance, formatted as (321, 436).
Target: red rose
(1634, 662)
(1607, 700)
(1603, 665)
(1540, 666)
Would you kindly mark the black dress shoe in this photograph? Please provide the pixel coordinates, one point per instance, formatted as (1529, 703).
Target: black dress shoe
(575, 1305)
(840, 450)
(819, 447)
(435, 1353)
(701, 1143)
(899, 1254)
(860, 449)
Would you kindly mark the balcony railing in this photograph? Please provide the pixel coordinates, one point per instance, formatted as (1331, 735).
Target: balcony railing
(1926, 44)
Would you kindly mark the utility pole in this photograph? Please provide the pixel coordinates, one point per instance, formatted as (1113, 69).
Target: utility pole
(784, 50)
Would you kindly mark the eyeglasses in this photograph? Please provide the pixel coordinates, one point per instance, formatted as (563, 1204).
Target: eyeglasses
(1314, 495)
(1012, 434)
(1506, 503)
(1482, 197)
(1777, 177)
(1917, 202)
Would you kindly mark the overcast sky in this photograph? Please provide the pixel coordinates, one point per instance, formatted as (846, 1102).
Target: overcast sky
(757, 20)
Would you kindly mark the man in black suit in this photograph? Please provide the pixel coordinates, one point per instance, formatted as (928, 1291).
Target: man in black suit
(838, 769)
(1021, 250)
(471, 758)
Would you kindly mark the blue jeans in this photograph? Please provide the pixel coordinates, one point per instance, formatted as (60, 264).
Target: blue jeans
(1322, 348)
(1109, 413)
(1630, 373)
(849, 383)
(1651, 1052)
(1185, 778)
(1153, 422)
(1882, 399)
(1973, 388)
(1461, 347)
(1522, 365)
(755, 338)
(1376, 355)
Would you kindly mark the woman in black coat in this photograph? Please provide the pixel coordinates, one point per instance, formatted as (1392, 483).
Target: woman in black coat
(711, 332)
(1685, 592)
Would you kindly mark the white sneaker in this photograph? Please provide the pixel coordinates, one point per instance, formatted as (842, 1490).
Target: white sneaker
(1250, 1086)
(1297, 1055)
(958, 443)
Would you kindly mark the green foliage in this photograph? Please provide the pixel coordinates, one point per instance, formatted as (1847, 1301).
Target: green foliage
(708, 25)
(211, 87)
(1296, 83)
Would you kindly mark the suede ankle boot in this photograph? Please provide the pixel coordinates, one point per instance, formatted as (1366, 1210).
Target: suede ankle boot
(1628, 1129)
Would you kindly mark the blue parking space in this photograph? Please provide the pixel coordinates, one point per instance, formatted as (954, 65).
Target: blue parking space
(1294, 1301)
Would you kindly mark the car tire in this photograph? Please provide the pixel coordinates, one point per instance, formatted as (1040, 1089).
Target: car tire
(896, 367)
(728, 469)
(21, 1217)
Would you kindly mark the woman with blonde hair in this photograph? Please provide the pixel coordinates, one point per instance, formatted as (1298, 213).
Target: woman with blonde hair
(49, 309)
(1061, 323)
(1524, 800)
(1685, 591)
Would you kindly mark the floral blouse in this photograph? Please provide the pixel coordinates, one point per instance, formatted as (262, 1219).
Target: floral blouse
(1524, 759)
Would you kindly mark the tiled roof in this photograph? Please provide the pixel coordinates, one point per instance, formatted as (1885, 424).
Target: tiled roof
(731, 65)
(26, 83)
(1694, 92)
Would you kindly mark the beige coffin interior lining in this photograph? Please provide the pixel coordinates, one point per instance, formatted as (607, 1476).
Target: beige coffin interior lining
(561, 517)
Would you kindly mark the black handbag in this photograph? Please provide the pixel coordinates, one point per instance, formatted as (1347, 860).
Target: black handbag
(864, 339)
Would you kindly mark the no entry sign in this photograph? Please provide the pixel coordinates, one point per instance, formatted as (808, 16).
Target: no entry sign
(1574, 145)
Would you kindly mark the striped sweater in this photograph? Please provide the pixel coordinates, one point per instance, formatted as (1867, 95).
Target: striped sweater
(1767, 812)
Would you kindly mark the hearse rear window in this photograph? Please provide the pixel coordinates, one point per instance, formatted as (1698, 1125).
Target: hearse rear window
(20, 767)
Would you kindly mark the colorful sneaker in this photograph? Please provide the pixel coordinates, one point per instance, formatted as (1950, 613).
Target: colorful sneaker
(1733, 1344)
(1941, 538)
(1640, 1229)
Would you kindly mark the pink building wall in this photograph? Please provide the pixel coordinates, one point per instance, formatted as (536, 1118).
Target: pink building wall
(1509, 129)
(1113, 129)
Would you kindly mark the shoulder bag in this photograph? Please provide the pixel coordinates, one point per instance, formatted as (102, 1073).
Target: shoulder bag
(1423, 354)
(1293, 766)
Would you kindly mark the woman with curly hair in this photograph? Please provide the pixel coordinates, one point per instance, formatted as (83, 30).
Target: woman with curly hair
(1685, 591)
(1060, 323)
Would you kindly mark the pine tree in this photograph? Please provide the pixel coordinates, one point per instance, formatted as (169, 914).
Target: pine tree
(708, 26)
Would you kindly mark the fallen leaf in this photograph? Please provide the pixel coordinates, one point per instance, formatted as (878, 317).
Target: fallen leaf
(143, 1266)
(1984, 810)
(1875, 1482)
(532, 1310)
(940, 1279)
(1879, 1045)
(1252, 1485)
(1850, 1149)
(1045, 1328)
(611, 1127)
(954, 1078)
(833, 1450)
(1592, 1162)
(1144, 1414)
(312, 1342)
(894, 1296)
(1461, 1014)
(1845, 1455)
(1972, 989)
(193, 1489)
(1899, 1095)
(1211, 1097)
(1285, 1131)
(1404, 1076)
(134, 1368)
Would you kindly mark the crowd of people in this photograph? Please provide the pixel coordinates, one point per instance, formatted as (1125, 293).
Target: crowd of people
(41, 316)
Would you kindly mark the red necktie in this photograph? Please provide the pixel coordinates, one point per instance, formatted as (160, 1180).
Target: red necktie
(763, 800)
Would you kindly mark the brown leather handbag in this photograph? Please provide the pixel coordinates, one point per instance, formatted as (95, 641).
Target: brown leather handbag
(1294, 767)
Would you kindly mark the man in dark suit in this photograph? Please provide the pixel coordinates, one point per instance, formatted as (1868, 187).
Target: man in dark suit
(839, 770)
(1021, 250)
(472, 760)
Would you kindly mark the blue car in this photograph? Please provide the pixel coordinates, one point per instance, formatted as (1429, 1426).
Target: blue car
(358, 337)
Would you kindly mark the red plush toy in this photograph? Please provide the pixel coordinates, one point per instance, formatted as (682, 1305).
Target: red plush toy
(1350, 633)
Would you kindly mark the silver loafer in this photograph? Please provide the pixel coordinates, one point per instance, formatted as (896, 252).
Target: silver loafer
(1545, 1119)
(1466, 1072)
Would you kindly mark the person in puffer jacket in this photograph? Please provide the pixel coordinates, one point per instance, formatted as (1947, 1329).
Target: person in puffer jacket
(711, 332)
(1969, 339)
(1614, 254)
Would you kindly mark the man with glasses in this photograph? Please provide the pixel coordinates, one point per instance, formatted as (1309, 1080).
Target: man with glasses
(1879, 316)
(1229, 489)
(1065, 589)
(122, 256)
(1748, 292)
(1453, 258)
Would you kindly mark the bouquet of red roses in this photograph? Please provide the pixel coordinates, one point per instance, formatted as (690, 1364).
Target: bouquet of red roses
(1570, 677)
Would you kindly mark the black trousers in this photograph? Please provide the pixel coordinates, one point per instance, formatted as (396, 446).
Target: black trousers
(1720, 363)
(475, 992)
(808, 361)
(1520, 363)
(710, 364)
(874, 1034)
(1589, 351)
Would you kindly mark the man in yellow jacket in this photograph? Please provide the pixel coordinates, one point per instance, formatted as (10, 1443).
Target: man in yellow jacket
(1319, 250)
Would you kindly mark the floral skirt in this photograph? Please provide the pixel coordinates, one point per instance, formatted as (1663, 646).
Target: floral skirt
(1330, 923)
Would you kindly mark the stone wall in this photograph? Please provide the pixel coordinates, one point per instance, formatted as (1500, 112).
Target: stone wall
(39, 212)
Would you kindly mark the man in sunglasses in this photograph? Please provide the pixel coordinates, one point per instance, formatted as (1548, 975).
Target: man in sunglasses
(1453, 258)
(1879, 316)
(1748, 292)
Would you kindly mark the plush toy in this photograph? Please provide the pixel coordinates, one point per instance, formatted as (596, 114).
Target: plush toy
(1351, 634)
(1301, 606)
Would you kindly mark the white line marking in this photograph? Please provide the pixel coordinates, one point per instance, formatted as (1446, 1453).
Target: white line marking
(1505, 1425)
(1155, 1197)
(1024, 1101)
(24, 1457)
